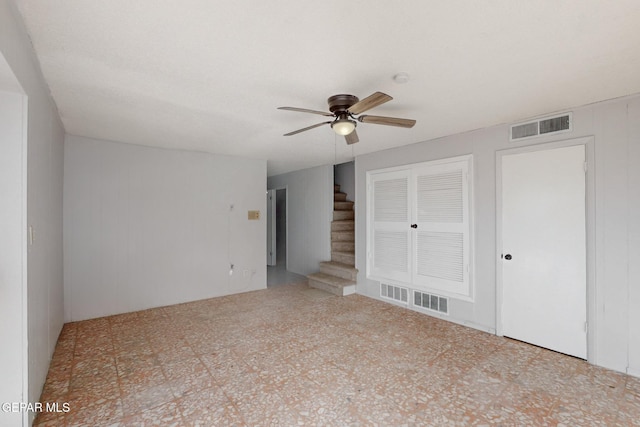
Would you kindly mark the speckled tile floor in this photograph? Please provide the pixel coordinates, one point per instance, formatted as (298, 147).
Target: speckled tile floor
(292, 355)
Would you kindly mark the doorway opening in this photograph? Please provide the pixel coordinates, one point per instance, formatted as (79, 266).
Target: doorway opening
(277, 273)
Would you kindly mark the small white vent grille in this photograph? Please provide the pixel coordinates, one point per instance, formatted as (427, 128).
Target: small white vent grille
(524, 131)
(561, 123)
(394, 292)
(431, 302)
(555, 124)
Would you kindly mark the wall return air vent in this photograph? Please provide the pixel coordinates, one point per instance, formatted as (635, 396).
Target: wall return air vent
(540, 127)
(395, 293)
(431, 302)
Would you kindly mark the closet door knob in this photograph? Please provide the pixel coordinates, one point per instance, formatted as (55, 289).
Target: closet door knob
(414, 225)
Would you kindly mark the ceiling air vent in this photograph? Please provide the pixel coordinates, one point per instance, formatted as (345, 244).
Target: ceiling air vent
(555, 124)
(547, 125)
(524, 131)
(394, 292)
(431, 302)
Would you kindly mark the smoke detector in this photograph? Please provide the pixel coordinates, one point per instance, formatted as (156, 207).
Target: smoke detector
(401, 78)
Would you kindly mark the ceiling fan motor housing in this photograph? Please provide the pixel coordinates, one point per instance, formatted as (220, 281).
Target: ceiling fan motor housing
(340, 103)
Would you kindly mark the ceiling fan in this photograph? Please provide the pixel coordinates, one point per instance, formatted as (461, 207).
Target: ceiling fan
(345, 108)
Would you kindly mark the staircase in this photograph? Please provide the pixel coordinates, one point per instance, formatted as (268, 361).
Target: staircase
(338, 276)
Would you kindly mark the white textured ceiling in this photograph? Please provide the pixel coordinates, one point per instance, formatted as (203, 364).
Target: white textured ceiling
(208, 75)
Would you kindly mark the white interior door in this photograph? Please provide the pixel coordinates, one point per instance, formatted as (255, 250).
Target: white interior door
(389, 213)
(544, 249)
(271, 227)
(441, 221)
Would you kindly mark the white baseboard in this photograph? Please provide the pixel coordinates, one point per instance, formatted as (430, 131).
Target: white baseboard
(634, 372)
(448, 318)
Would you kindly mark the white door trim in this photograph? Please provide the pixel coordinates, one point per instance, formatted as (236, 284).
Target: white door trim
(589, 144)
(271, 228)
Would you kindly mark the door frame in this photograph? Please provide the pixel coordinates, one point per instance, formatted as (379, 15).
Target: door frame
(16, 246)
(589, 145)
(271, 227)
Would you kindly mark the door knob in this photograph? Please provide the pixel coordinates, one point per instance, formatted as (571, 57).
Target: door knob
(414, 225)
(507, 257)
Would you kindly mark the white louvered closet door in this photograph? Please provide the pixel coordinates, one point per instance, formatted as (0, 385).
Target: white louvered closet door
(389, 252)
(441, 233)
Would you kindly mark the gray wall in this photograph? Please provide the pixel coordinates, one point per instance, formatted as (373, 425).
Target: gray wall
(310, 210)
(344, 175)
(614, 252)
(40, 183)
(632, 258)
(148, 227)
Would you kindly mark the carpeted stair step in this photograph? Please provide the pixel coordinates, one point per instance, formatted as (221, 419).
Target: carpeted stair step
(345, 225)
(339, 269)
(343, 206)
(348, 258)
(340, 215)
(343, 236)
(343, 246)
(335, 285)
(339, 197)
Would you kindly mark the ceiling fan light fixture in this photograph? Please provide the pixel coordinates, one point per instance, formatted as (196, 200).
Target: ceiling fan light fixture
(343, 126)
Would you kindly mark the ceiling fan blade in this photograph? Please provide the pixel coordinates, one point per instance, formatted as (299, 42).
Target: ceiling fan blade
(352, 138)
(307, 128)
(369, 102)
(388, 121)
(305, 110)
